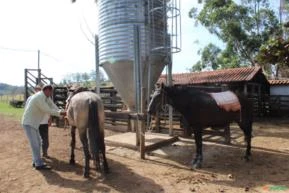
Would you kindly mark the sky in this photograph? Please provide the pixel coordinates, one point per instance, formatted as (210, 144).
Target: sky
(60, 30)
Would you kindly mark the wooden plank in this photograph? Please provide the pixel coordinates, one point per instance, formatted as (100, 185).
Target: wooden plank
(118, 115)
(159, 144)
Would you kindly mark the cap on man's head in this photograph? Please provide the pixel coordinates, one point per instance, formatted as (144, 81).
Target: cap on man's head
(37, 87)
(47, 86)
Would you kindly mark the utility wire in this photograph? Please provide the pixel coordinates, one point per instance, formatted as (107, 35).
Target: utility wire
(30, 50)
(86, 37)
(17, 49)
(88, 28)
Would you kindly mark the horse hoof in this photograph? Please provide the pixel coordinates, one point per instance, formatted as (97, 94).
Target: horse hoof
(72, 162)
(196, 165)
(106, 170)
(86, 175)
(247, 158)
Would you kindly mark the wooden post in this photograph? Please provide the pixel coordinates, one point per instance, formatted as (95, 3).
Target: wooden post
(157, 122)
(25, 85)
(245, 90)
(137, 133)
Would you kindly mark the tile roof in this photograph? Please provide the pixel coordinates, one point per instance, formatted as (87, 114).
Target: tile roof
(216, 76)
(279, 82)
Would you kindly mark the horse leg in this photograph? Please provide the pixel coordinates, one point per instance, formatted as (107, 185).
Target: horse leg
(104, 161)
(247, 129)
(84, 141)
(197, 163)
(72, 145)
(227, 134)
(96, 160)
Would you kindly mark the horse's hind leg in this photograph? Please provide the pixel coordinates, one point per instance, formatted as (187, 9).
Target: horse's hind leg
(104, 161)
(84, 141)
(246, 126)
(72, 145)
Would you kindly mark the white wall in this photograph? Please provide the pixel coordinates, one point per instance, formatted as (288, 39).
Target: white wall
(279, 90)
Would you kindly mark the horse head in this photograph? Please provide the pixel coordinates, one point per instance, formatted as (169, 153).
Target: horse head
(157, 99)
(72, 92)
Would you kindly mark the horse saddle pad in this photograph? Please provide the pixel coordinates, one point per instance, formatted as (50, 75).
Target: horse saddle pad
(227, 100)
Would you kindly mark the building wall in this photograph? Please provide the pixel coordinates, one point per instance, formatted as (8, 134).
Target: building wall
(279, 90)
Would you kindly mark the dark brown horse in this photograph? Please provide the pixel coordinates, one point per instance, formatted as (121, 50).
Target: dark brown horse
(85, 112)
(200, 111)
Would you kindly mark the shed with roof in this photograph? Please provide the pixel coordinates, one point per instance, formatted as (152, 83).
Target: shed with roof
(250, 81)
(279, 87)
(279, 97)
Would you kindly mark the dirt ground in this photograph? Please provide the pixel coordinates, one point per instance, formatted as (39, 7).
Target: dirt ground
(164, 170)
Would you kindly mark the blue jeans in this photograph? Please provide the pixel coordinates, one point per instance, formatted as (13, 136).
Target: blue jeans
(43, 131)
(35, 144)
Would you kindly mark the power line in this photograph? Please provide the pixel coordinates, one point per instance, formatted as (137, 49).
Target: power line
(17, 49)
(86, 37)
(50, 56)
(30, 50)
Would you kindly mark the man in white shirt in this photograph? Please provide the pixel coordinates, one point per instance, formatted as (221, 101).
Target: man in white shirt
(36, 108)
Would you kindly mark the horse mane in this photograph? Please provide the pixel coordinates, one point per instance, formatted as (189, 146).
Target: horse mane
(175, 90)
(80, 89)
(74, 92)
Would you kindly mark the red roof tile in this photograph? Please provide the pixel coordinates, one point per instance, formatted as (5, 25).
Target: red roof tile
(279, 82)
(216, 76)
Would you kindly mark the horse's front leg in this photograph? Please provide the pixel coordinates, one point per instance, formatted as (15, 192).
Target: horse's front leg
(72, 145)
(197, 162)
(248, 137)
(84, 141)
(248, 150)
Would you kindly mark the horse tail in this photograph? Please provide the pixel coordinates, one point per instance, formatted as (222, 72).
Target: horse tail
(96, 135)
(93, 128)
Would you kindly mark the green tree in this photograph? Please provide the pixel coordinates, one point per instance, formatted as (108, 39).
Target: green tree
(85, 79)
(242, 27)
(275, 52)
(101, 76)
(209, 58)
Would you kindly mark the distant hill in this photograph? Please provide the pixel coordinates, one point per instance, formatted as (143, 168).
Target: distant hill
(9, 89)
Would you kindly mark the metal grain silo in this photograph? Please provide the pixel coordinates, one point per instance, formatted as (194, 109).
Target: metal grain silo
(117, 20)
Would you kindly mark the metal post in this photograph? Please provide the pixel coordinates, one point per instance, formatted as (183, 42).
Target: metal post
(38, 67)
(170, 83)
(97, 73)
(142, 126)
(137, 79)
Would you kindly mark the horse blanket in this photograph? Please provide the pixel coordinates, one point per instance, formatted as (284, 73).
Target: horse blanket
(227, 100)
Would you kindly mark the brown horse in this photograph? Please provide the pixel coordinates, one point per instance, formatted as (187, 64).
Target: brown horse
(200, 110)
(85, 112)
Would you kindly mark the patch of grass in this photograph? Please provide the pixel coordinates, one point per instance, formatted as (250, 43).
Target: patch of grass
(7, 110)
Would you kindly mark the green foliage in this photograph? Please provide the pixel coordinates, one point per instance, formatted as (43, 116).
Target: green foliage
(209, 58)
(85, 78)
(274, 51)
(7, 110)
(242, 27)
(9, 89)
